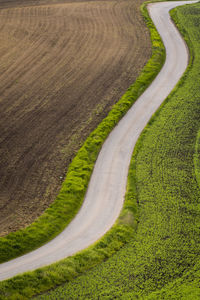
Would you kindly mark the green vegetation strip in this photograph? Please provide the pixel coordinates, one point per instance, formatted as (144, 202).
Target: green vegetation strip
(197, 158)
(71, 196)
(161, 260)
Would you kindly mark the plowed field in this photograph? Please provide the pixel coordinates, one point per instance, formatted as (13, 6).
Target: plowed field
(62, 66)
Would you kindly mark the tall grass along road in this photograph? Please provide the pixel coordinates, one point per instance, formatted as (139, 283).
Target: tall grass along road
(104, 198)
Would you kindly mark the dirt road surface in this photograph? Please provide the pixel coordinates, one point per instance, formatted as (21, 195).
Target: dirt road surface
(105, 195)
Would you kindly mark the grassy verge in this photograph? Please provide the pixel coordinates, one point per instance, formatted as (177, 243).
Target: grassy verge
(161, 261)
(70, 198)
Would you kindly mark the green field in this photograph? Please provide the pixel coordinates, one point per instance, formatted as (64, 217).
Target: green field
(162, 260)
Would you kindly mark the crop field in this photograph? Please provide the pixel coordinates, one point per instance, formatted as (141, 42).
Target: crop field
(70, 196)
(62, 67)
(162, 260)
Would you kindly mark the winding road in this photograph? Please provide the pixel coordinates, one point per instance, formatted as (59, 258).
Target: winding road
(105, 195)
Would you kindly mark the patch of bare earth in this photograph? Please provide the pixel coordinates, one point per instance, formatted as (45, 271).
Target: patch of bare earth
(62, 67)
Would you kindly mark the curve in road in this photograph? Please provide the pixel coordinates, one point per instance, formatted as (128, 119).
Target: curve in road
(105, 195)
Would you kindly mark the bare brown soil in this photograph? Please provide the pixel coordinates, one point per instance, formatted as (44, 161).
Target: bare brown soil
(62, 67)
